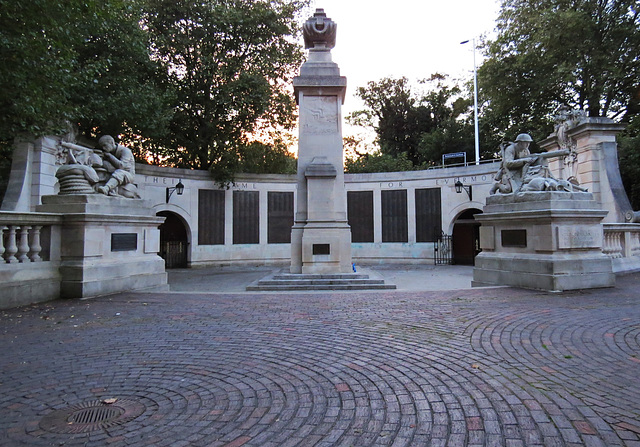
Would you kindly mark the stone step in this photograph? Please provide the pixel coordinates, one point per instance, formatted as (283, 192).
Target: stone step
(312, 282)
(302, 287)
(295, 276)
(301, 282)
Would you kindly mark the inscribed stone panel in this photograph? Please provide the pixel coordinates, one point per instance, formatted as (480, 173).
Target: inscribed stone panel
(360, 215)
(279, 217)
(394, 216)
(428, 215)
(210, 217)
(246, 217)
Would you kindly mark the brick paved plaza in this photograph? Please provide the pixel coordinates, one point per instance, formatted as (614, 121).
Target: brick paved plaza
(472, 367)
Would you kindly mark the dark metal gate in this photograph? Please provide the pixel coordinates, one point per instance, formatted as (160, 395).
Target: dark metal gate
(443, 249)
(174, 254)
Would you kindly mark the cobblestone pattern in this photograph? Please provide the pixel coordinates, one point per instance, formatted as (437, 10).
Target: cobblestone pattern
(481, 367)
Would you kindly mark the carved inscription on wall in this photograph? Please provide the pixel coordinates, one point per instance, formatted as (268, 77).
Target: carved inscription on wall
(319, 115)
(579, 237)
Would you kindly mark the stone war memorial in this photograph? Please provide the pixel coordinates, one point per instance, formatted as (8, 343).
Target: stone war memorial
(539, 230)
(81, 219)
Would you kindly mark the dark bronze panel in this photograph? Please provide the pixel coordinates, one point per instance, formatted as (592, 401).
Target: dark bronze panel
(428, 215)
(514, 238)
(394, 216)
(321, 249)
(210, 217)
(246, 217)
(124, 242)
(360, 215)
(280, 217)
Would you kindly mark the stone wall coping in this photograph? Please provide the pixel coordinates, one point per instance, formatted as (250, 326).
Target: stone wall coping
(29, 218)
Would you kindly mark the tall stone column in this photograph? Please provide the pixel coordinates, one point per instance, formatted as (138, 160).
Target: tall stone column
(321, 236)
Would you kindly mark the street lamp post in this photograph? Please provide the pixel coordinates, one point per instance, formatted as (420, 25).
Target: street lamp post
(475, 99)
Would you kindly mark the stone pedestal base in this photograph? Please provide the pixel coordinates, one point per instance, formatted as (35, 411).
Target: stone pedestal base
(324, 248)
(108, 245)
(545, 240)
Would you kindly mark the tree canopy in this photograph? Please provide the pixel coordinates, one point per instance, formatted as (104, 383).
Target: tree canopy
(229, 63)
(580, 53)
(412, 126)
(186, 83)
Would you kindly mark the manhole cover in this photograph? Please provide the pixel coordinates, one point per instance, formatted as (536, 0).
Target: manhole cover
(91, 416)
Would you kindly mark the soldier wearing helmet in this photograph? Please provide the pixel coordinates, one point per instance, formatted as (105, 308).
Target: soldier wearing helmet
(518, 166)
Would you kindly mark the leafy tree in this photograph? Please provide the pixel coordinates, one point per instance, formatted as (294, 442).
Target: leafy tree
(262, 158)
(378, 162)
(229, 64)
(78, 61)
(629, 160)
(417, 126)
(582, 53)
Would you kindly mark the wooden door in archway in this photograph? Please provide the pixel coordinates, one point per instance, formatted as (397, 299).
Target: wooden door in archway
(174, 243)
(466, 238)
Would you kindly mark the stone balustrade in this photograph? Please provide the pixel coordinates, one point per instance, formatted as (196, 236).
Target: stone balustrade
(621, 240)
(26, 237)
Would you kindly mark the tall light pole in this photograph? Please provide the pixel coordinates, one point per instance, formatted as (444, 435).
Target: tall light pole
(475, 99)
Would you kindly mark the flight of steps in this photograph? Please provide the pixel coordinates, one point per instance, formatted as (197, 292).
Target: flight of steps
(305, 282)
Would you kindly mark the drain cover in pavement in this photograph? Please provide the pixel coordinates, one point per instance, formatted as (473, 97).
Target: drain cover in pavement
(90, 416)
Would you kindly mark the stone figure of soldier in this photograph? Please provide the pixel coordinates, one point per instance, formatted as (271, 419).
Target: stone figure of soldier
(522, 171)
(120, 164)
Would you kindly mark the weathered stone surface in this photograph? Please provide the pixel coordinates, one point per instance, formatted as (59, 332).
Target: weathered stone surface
(546, 240)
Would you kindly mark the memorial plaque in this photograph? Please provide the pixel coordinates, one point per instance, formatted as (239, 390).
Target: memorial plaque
(124, 242)
(394, 216)
(321, 249)
(514, 238)
(579, 237)
(279, 217)
(211, 217)
(360, 215)
(246, 217)
(428, 214)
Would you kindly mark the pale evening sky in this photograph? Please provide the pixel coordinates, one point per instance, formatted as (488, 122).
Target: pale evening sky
(412, 38)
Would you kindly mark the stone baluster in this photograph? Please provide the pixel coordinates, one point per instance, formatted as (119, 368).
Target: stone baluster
(23, 244)
(11, 247)
(35, 246)
(635, 243)
(2, 228)
(612, 246)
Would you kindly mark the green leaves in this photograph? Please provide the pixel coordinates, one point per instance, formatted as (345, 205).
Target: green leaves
(229, 62)
(416, 127)
(582, 53)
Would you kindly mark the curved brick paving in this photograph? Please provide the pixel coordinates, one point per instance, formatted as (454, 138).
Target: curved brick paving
(492, 367)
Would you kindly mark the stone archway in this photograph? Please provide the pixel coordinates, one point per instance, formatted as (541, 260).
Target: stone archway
(174, 242)
(466, 237)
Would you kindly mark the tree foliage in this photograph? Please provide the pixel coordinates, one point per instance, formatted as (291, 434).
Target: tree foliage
(417, 127)
(229, 63)
(79, 61)
(580, 53)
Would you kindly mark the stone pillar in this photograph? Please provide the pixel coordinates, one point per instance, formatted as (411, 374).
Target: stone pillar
(595, 163)
(321, 236)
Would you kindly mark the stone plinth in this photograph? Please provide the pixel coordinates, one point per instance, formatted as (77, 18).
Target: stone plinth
(542, 240)
(108, 245)
(321, 236)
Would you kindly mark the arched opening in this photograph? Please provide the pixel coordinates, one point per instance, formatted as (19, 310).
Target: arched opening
(466, 237)
(174, 243)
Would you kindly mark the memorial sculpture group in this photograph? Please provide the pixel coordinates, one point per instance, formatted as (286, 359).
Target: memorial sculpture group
(538, 231)
(110, 169)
